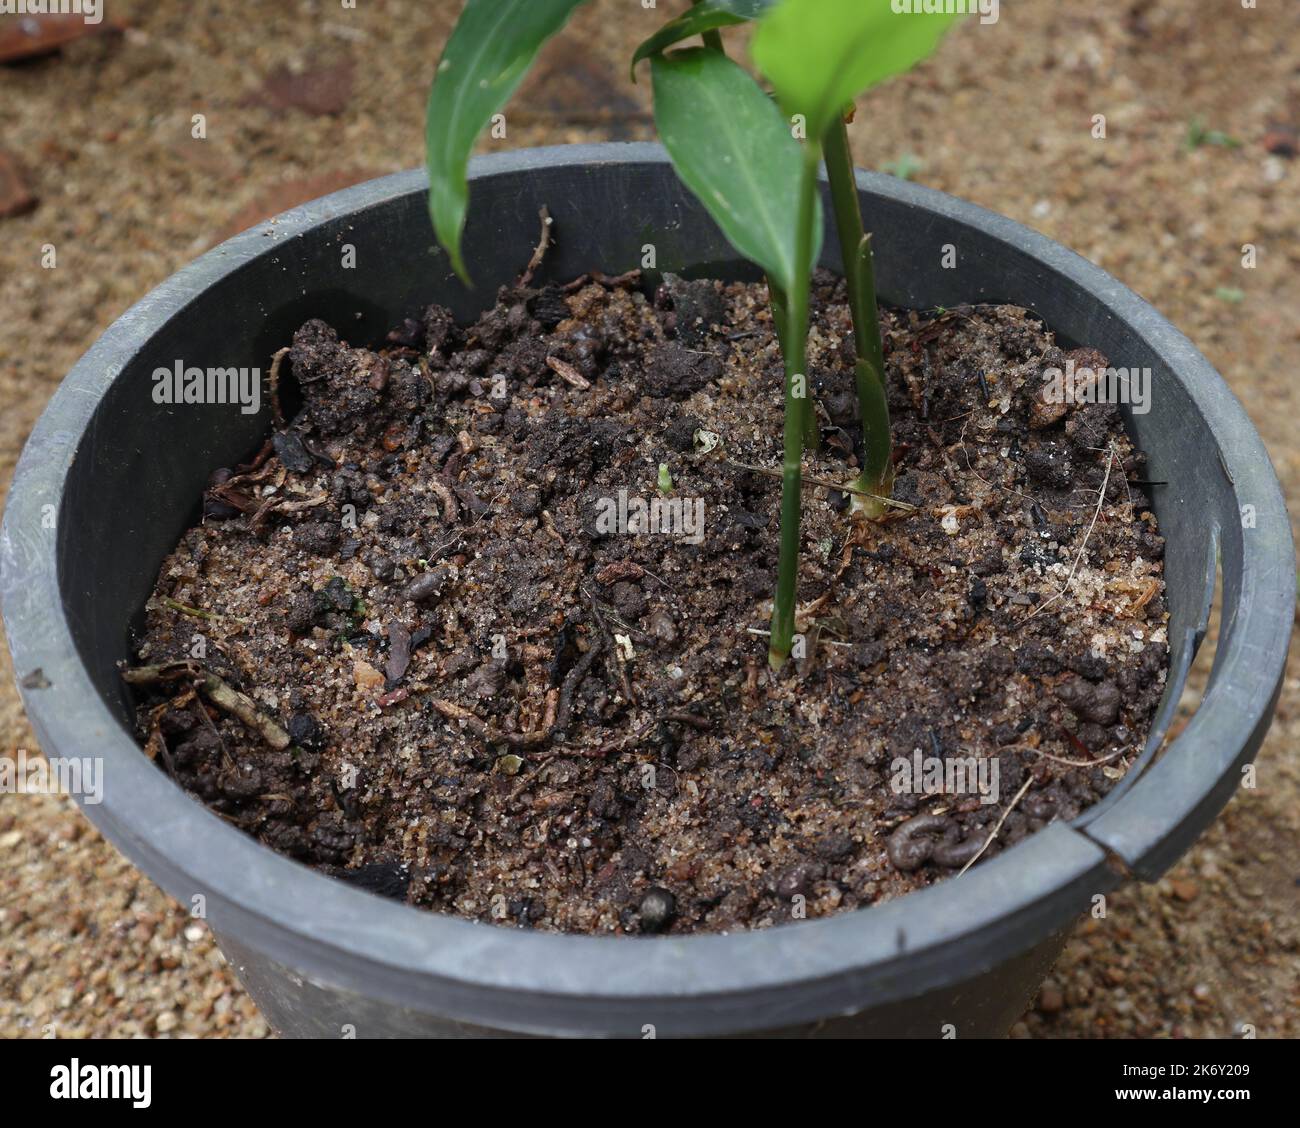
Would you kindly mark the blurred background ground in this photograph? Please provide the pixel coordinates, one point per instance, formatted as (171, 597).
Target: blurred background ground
(304, 97)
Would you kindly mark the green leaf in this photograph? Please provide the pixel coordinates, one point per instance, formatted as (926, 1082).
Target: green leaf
(734, 150)
(821, 54)
(695, 22)
(707, 15)
(487, 56)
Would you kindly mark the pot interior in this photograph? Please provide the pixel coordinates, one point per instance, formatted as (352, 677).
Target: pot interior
(139, 469)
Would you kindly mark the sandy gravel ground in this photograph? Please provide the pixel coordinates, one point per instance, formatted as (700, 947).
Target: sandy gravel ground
(1002, 116)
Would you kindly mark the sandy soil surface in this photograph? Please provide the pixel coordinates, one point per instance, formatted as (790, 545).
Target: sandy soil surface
(303, 98)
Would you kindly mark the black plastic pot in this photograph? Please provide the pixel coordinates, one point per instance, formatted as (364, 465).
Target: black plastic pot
(122, 473)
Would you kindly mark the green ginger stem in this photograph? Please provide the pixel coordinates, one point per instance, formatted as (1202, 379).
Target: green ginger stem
(877, 475)
(712, 39)
(795, 348)
(812, 439)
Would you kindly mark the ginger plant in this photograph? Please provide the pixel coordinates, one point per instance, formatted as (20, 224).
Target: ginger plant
(752, 161)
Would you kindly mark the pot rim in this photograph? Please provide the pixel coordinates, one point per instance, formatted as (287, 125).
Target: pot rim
(496, 975)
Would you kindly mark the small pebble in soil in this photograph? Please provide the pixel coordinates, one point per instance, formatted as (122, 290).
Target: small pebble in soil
(289, 449)
(336, 595)
(1050, 999)
(797, 879)
(663, 627)
(305, 730)
(657, 909)
(428, 588)
(303, 612)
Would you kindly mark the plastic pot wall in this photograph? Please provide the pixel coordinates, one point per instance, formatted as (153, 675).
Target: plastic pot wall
(121, 475)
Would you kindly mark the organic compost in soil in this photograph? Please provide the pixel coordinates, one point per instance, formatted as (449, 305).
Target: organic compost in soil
(436, 640)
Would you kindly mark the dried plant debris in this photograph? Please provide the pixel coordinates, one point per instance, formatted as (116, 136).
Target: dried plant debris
(16, 195)
(31, 36)
(321, 87)
(511, 687)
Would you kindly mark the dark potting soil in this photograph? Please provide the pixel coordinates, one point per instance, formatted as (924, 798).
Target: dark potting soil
(430, 642)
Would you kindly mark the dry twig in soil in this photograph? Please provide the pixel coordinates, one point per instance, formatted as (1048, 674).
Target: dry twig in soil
(221, 695)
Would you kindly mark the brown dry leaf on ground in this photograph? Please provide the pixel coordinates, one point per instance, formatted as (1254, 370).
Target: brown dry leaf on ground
(28, 37)
(320, 88)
